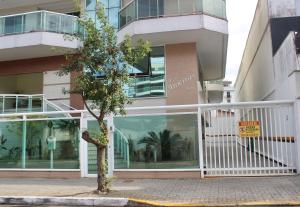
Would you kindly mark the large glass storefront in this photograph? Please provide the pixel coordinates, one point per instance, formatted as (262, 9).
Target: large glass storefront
(42, 144)
(156, 142)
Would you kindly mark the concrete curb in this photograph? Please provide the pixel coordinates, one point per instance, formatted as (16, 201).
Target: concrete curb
(145, 203)
(65, 201)
(120, 202)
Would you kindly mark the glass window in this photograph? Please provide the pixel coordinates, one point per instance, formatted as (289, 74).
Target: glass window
(49, 144)
(10, 145)
(113, 17)
(114, 3)
(156, 142)
(105, 3)
(91, 4)
(157, 61)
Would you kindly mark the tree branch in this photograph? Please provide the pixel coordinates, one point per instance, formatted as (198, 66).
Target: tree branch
(88, 108)
(86, 137)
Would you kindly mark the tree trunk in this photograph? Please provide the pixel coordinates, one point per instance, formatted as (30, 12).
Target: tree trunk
(101, 179)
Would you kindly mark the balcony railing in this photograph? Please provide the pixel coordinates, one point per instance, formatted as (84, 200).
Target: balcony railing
(39, 21)
(143, 9)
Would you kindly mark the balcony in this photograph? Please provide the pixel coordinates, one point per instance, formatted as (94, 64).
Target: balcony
(215, 90)
(181, 21)
(35, 34)
(141, 9)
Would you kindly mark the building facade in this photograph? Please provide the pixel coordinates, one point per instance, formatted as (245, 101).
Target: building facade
(269, 69)
(189, 46)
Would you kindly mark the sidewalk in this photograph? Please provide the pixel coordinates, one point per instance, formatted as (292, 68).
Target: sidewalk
(221, 191)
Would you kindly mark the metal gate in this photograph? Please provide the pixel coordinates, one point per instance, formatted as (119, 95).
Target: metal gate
(227, 151)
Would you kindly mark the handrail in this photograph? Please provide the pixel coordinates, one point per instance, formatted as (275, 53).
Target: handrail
(190, 106)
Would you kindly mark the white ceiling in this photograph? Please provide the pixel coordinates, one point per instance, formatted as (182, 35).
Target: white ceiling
(9, 6)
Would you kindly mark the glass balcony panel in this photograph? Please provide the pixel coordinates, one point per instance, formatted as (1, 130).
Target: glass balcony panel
(143, 8)
(10, 105)
(171, 7)
(32, 22)
(188, 6)
(215, 7)
(67, 25)
(131, 13)
(37, 104)
(156, 142)
(52, 22)
(1, 105)
(23, 104)
(122, 17)
(153, 8)
(1, 26)
(160, 8)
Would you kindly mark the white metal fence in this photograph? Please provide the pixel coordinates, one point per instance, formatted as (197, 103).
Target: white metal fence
(271, 152)
(207, 140)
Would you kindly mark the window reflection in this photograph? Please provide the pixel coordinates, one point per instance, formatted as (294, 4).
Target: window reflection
(156, 142)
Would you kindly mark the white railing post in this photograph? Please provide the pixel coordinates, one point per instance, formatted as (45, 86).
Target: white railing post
(110, 124)
(83, 147)
(200, 140)
(297, 133)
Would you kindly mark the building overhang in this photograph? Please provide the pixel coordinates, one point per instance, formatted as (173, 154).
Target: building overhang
(35, 45)
(10, 6)
(209, 33)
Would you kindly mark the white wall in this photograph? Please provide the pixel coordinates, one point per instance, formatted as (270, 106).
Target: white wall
(258, 82)
(54, 87)
(257, 33)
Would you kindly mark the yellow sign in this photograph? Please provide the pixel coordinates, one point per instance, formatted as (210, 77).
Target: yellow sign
(249, 128)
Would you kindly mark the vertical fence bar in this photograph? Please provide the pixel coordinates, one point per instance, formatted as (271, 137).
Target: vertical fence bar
(272, 136)
(234, 140)
(281, 137)
(267, 140)
(215, 138)
(249, 147)
(253, 141)
(205, 141)
(223, 140)
(24, 135)
(233, 143)
(286, 141)
(219, 145)
(245, 146)
(241, 142)
(291, 135)
(227, 132)
(200, 140)
(258, 141)
(263, 137)
(276, 139)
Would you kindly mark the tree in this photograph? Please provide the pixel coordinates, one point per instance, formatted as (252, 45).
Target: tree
(102, 66)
